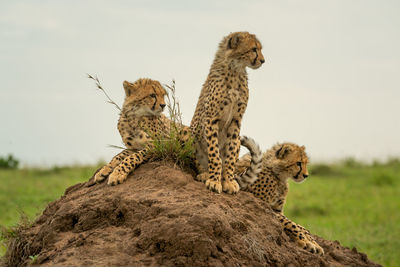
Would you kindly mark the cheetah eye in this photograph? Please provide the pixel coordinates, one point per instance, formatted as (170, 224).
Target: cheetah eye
(298, 163)
(254, 49)
(153, 95)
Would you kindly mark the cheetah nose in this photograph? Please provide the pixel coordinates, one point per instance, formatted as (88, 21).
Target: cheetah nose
(162, 106)
(305, 175)
(262, 61)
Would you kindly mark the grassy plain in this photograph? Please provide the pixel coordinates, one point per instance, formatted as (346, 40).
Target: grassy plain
(357, 204)
(28, 191)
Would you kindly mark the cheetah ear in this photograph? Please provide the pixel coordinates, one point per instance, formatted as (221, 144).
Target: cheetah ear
(282, 152)
(234, 41)
(129, 88)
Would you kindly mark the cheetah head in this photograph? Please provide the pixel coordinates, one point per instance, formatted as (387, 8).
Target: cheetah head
(145, 97)
(291, 162)
(243, 49)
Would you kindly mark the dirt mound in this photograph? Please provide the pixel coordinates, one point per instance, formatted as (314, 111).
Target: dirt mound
(161, 216)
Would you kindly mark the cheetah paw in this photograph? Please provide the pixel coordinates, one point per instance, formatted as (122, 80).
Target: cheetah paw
(312, 247)
(116, 178)
(230, 187)
(317, 248)
(202, 177)
(102, 174)
(214, 185)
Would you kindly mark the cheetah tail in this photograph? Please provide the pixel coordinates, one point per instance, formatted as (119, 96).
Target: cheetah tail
(251, 173)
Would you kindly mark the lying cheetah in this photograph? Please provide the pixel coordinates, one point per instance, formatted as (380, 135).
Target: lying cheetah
(140, 119)
(141, 115)
(220, 108)
(281, 162)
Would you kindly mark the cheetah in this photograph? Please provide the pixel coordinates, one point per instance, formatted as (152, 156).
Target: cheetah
(223, 100)
(140, 119)
(281, 162)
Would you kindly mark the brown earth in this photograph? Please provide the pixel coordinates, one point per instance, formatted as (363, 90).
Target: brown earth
(161, 216)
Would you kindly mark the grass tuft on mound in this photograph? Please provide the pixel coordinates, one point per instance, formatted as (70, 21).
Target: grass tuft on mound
(171, 146)
(15, 242)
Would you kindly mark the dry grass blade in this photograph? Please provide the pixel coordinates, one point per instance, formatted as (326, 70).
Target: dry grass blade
(254, 246)
(174, 109)
(117, 147)
(168, 145)
(98, 85)
(16, 243)
(171, 145)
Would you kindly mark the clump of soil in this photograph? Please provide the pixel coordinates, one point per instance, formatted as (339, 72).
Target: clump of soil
(161, 216)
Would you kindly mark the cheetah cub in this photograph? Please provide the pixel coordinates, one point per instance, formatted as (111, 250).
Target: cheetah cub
(281, 162)
(220, 108)
(141, 115)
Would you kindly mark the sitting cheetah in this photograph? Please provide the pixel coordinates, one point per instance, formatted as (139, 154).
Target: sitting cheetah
(220, 108)
(142, 115)
(281, 162)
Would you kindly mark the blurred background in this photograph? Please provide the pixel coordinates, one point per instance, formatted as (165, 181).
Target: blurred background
(330, 82)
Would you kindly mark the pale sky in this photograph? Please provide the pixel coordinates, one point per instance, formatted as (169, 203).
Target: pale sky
(331, 80)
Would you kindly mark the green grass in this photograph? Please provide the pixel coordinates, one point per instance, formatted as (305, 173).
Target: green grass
(177, 144)
(27, 191)
(357, 204)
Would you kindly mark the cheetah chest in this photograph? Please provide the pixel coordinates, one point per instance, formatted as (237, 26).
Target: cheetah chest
(233, 109)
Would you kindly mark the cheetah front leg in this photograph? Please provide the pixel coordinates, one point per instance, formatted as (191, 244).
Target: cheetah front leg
(203, 174)
(214, 159)
(121, 172)
(300, 235)
(105, 171)
(229, 184)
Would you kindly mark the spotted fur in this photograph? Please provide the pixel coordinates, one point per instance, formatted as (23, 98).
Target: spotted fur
(140, 120)
(220, 108)
(281, 162)
(250, 174)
